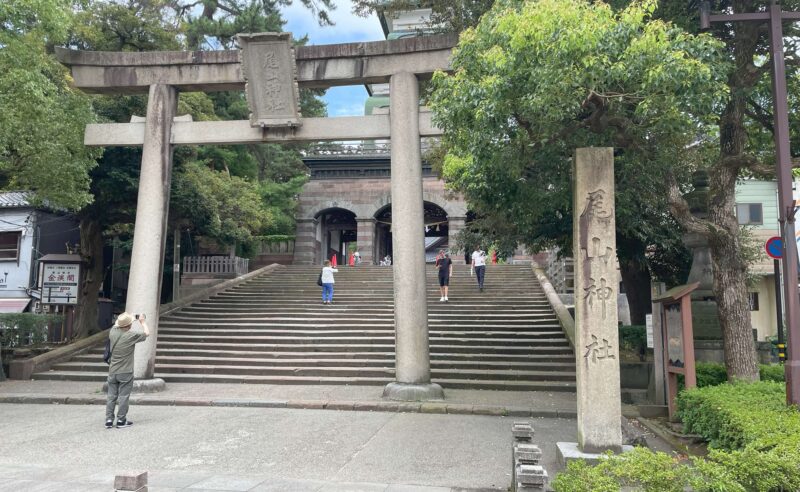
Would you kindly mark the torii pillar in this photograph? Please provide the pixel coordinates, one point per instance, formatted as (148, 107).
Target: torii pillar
(412, 353)
(150, 230)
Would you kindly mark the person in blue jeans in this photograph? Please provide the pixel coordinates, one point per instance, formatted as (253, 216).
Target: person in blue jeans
(327, 282)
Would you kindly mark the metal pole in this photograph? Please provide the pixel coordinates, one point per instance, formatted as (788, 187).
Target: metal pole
(176, 264)
(786, 208)
(779, 310)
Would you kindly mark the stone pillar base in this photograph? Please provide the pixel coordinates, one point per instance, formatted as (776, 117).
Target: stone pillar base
(571, 451)
(144, 386)
(413, 392)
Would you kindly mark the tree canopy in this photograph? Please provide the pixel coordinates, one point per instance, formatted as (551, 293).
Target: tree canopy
(41, 116)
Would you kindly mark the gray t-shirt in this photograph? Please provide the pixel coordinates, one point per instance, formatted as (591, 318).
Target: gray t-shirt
(122, 346)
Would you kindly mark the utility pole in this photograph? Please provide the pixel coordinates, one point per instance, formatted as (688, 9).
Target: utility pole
(775, 17)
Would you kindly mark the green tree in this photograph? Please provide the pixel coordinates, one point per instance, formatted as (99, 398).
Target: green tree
(41, 117)
(535, 80)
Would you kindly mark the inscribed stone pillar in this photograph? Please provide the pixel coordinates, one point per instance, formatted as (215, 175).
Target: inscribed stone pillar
(150, 231)
(365, 238)
(412, 357)
(597, 359)
(454, 226)
(305, 242)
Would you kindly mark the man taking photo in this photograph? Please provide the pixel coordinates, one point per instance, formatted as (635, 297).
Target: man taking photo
(122, 342)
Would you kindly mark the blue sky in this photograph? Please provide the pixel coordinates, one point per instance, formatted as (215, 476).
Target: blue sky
(342, 101)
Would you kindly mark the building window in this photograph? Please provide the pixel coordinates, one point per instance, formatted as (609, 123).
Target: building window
(749, 213)
(753, 298)
(9, 245)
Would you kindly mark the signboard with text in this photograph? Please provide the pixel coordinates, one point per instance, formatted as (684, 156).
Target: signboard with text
(60, 283)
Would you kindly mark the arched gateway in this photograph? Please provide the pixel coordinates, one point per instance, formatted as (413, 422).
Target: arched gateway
(361, 186)
(270, 69)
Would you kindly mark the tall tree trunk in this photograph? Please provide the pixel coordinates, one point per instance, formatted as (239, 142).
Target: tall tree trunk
(721, 228)
(730, 286)
(636, 279)
(92, 257)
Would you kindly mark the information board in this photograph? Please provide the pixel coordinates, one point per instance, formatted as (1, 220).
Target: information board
(60, 283)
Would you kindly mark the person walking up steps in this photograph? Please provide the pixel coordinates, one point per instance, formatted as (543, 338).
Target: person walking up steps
(445, 266)
(479, 265)
(327, 282)
(122, 342)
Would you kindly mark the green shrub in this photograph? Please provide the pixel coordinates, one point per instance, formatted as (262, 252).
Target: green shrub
(646, 470)
(632, 337)
(710, 374)
(20, 329)
(772, 372)
(714, 373)
(754, 438)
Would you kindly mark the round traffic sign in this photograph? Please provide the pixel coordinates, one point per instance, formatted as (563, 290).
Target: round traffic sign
(774, 248)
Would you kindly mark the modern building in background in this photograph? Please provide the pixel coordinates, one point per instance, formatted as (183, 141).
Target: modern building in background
(26, 234)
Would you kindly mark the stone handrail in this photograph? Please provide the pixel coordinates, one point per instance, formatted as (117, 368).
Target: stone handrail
(23, 369)
(216, 264)
(564, 318)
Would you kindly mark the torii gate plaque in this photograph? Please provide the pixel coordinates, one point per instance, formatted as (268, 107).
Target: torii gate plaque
(270, 72)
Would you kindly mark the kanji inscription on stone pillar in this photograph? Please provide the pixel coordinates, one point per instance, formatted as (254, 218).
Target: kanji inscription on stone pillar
(596, 343)
(270, 72)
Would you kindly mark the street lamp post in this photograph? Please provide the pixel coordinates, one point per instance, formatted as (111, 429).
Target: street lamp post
(775, 16)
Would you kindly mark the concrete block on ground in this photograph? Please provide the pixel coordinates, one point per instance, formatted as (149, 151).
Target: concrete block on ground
(131, 480)
(522, 431)
(530, 477)
(569, 451)
(526, 453)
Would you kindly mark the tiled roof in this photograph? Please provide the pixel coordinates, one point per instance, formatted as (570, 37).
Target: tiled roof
(14, 199)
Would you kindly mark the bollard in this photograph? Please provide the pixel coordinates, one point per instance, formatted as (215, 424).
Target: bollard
(528, 478)
(522, 431)
(131, 481)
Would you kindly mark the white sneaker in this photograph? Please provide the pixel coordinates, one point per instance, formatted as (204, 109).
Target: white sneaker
(445, 299)
(441, 299)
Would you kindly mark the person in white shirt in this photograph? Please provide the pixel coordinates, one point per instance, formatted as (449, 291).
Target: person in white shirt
(327, 282)
(479, 265)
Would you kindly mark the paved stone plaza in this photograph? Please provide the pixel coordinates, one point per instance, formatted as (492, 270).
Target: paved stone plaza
(65, 447)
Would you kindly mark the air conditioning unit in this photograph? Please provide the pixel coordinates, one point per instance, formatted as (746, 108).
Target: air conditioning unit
(45, 308)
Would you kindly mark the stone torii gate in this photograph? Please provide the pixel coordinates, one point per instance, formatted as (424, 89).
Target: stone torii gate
(270, 68)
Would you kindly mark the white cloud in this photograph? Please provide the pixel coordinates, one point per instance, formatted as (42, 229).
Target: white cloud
(348, 26)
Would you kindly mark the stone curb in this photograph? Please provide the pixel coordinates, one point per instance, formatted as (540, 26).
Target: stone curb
(672, 440)
(341, 405)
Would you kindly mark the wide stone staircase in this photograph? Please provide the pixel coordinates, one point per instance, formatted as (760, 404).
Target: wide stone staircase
(274, 329)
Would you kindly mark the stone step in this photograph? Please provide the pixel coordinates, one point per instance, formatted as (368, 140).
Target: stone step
(444, 364)
(376, 339)
(263, 333)
(387, 346)
(331, 371)
(274, 330)
(357, 324)
(556, 386)
(443, 357)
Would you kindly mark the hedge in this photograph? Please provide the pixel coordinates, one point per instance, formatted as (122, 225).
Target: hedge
(713, 374)
(754, 439)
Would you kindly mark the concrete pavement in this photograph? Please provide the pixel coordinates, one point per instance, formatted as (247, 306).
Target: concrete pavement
(66, 447)
(339, 397)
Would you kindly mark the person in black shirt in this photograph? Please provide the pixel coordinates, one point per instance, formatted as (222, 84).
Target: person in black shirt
(445, 266)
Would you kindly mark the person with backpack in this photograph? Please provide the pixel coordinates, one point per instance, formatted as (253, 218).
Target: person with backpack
(326, 277)
(121, 344)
